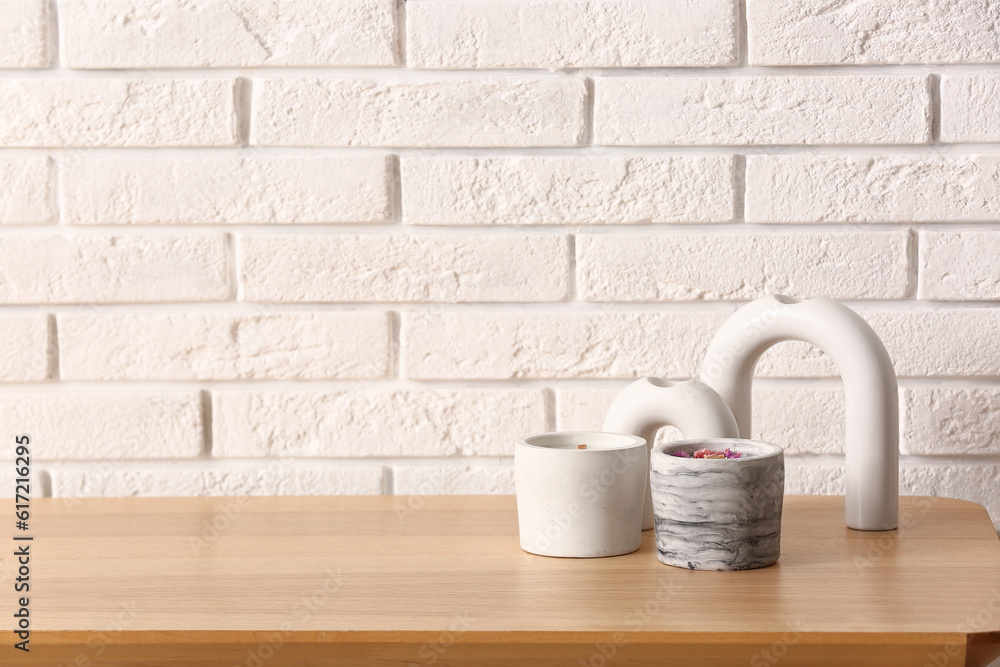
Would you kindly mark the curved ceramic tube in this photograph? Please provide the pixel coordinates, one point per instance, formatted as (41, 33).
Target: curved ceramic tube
(872, 430)
(649, 404)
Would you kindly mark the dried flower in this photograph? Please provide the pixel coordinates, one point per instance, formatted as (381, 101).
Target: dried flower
(709, 454)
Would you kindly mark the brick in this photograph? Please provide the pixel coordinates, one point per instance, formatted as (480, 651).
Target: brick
(974, 481)
(465, 422)
(804, 478)
(109, 269)
(26, 353)
(686, 267)
(117, 112)
(506, 345)
(105, 426)
(887, 188)
(26, 185)
(455, 478)
(950, 420)
(303, 346)
(970, 108)
(213, 190)
(795, 359)
(939, 342)
(959, 265)
(567, 190)
(802, 419)
(418, 112)
(404, 268)
(952, 31)
(601, 33)
(24, 27)
(637, 111)
(584, 409)
(276, 478)
(119, 34)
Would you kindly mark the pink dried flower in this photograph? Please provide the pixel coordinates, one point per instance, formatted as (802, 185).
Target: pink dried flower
(709, 454)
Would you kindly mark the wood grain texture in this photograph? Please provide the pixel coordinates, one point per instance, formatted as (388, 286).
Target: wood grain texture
(383, 580)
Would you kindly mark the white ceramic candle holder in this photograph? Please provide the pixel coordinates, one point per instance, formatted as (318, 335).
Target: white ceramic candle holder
(718, 514)
(580, 493)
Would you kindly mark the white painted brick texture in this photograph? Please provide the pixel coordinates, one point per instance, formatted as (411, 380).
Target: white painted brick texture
(27, 352)
(404, 269)
(872, 32)
(684, 267)
(105, 268)
(362, 246)
(180, 347)
(222, 190)
(959, 265)
(250, 424)
(556, 34)
(117, 112)
(872, 188)
(539, 344)
(115, 34)
(969, 108)
(24, 27)
(640, 111)
(417, 112)
(566, 190)
(26, 191)
(115, 426)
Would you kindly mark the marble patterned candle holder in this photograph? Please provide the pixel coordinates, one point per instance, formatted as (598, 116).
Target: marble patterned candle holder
(580, 493)
(718, 514)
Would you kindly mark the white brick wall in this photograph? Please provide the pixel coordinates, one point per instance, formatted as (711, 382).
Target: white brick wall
(118, 34)
(747, 110)
(567, 190)
(418, 112)
(404, 268)
(360, 246)
(443, 34)
(238, 190)
(685, 267)
(88, 112)
(23, 33)
(26, 197)
(113, 268)
(872, 32)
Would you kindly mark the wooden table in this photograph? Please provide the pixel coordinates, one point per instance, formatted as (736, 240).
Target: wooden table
(441, 581)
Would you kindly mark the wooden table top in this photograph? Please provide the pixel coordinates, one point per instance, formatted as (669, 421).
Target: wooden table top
(390, 580)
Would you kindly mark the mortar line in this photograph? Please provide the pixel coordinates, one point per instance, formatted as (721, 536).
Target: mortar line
(205, 398)
(52, 35)
(400, 16)
(740, 190)
(572, 288)
(588, 113)
(913, 268)
(243, 95)
(52, 371)
(743, 49)
(863, 150)
(394, 179)
(232, 267)
(401, 71)
(934, 89)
